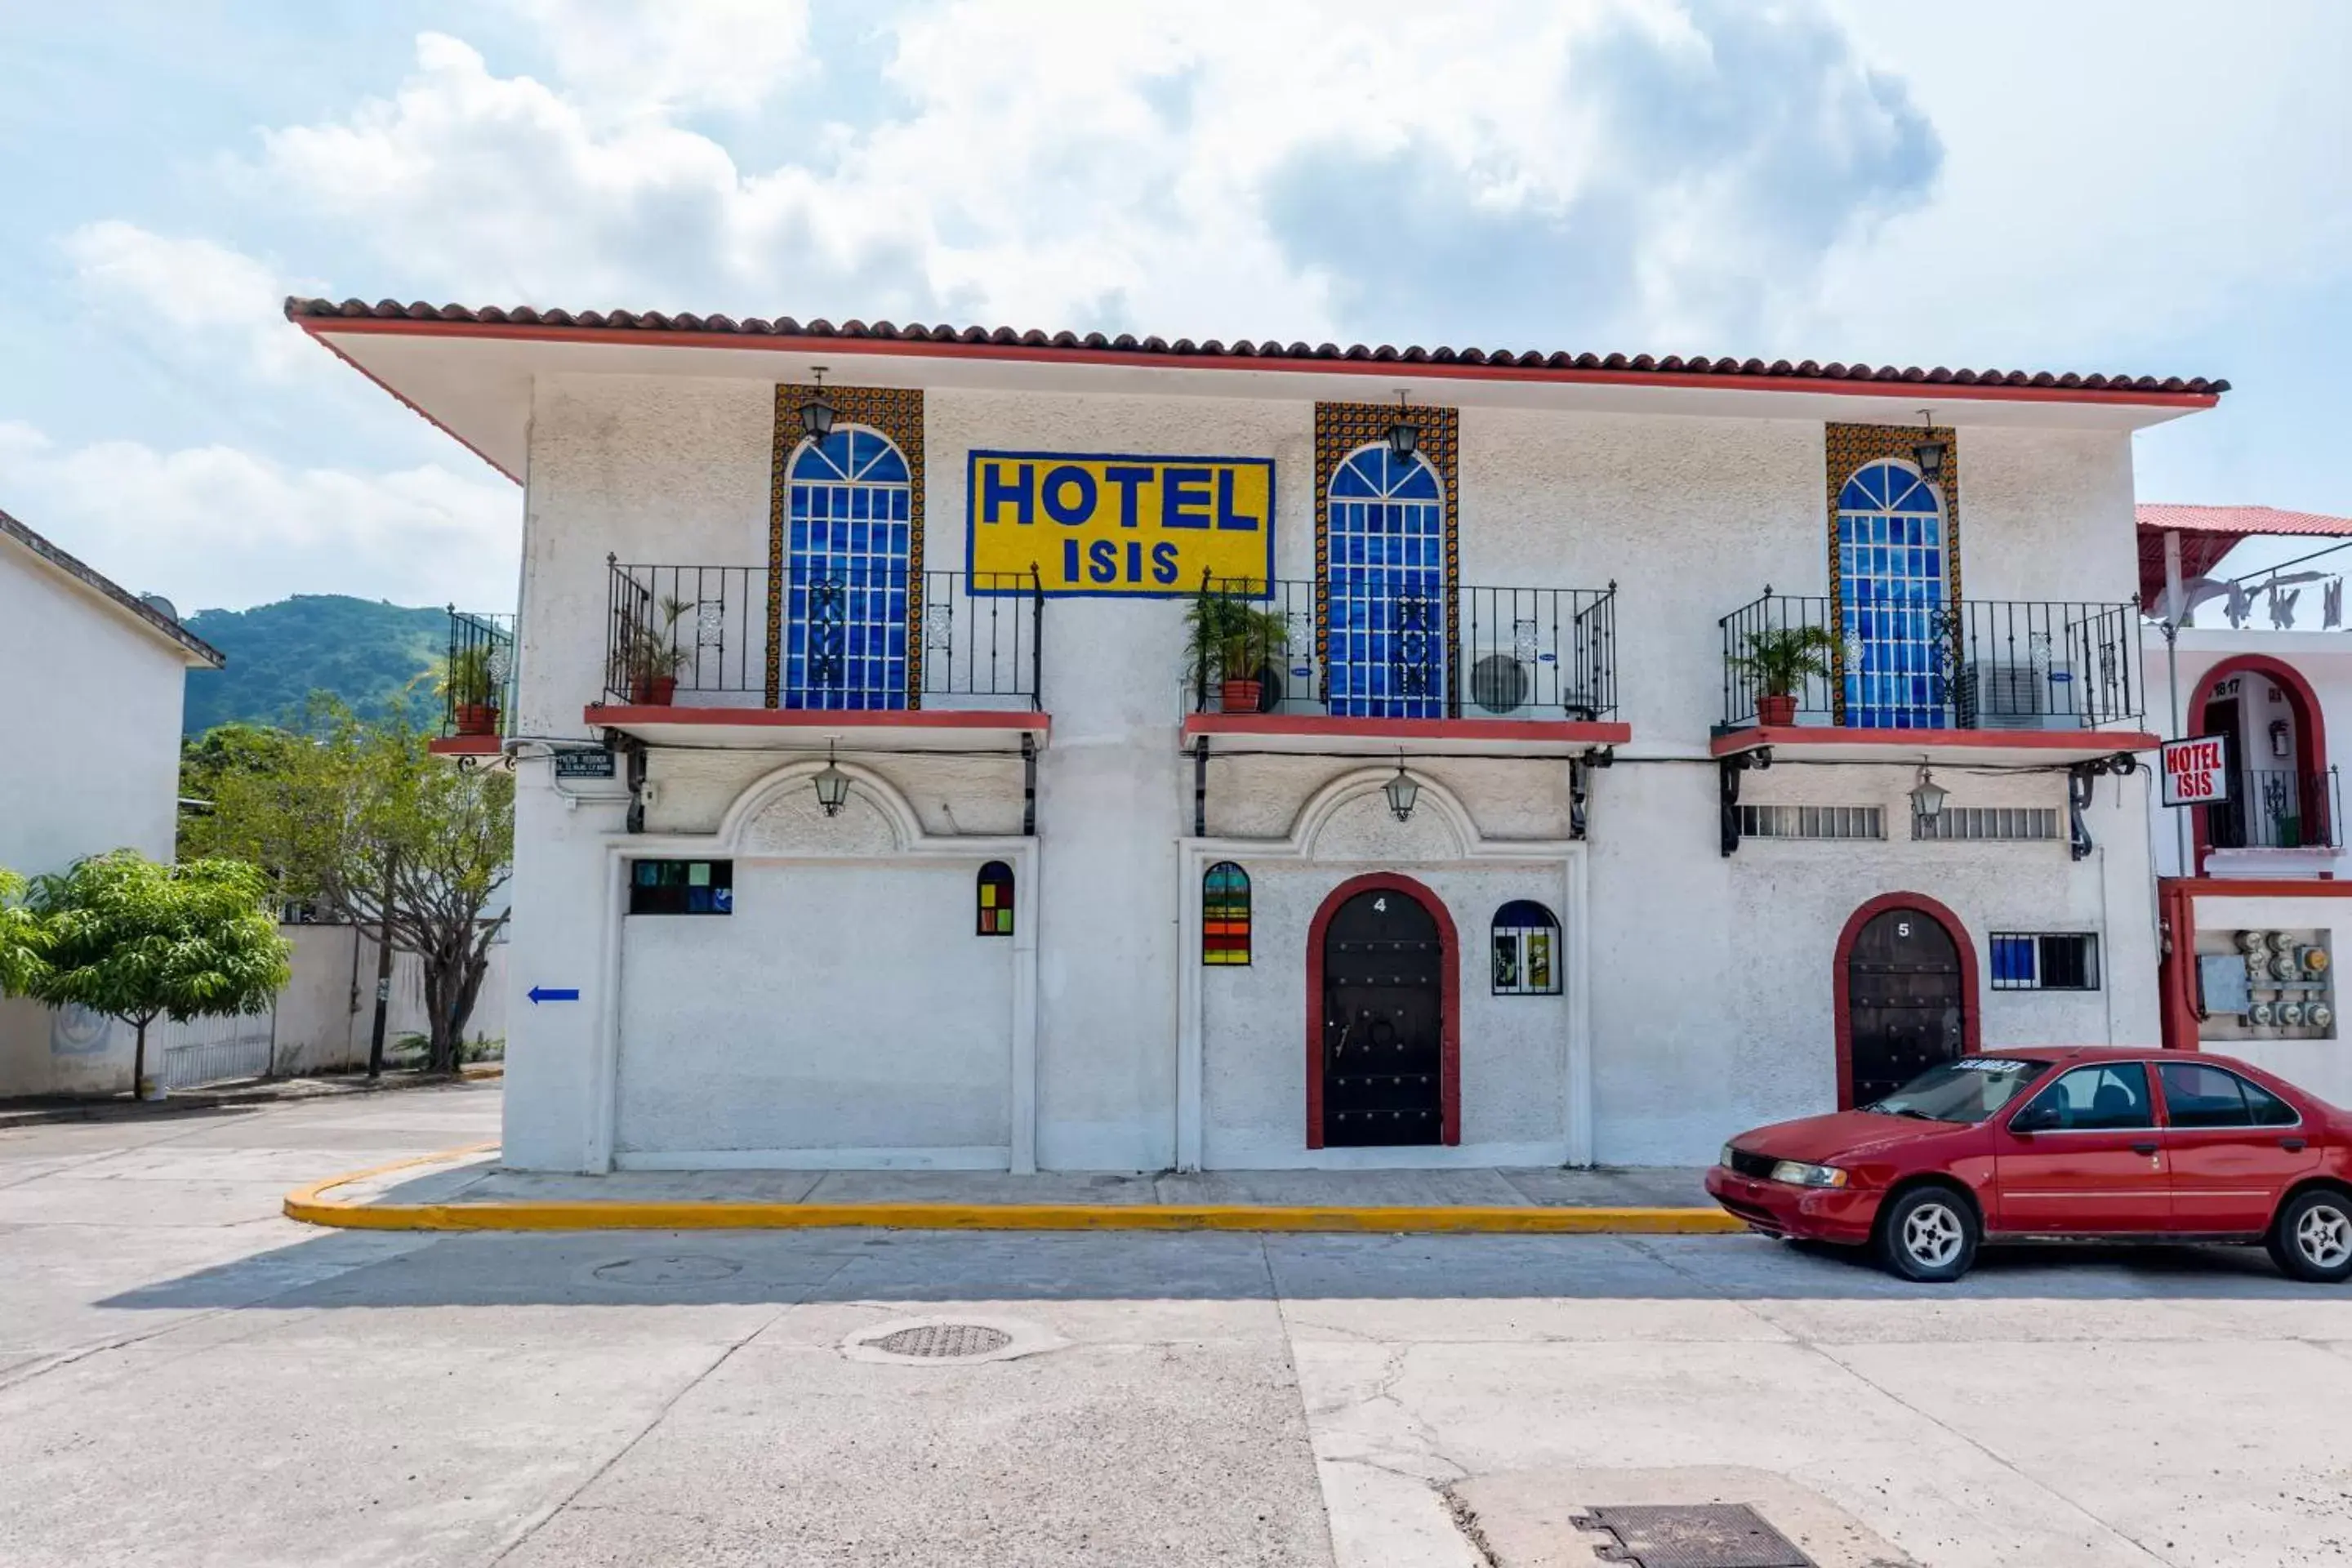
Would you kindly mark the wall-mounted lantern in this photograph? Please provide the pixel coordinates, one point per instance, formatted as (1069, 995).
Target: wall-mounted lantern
(1929, 452)
(832, 785)
(1404, 435)
(1927, 797)
(1402, 792)
(816, 414)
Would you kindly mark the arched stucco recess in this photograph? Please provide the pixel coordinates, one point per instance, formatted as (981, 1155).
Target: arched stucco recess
(1458, 841)
(868, 791)
(1309, 834)
(898, 834)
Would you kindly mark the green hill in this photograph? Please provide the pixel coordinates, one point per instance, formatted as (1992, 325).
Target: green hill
(364, 651)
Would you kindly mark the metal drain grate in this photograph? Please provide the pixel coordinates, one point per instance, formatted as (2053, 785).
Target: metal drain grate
(943, 1341)
(1710, 1535)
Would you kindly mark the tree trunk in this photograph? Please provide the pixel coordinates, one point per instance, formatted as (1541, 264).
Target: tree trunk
(453, 982)
(139, 1059)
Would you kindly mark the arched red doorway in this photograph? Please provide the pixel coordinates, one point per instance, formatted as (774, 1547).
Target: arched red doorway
(2261, 798)
(1321, 1021)
(1890, 982)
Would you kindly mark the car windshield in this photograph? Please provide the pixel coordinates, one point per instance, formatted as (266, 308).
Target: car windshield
(1968, 1090)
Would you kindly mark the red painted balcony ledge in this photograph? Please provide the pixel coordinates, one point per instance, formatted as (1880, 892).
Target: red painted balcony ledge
(2055, 745)
(465, 745)
(923, 729)
(1309, 731)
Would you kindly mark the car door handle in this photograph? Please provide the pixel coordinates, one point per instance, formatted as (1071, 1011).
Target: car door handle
(2292, 1145)
(2144, 1148)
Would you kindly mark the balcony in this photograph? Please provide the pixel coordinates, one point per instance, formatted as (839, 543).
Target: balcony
(477, 684)
(742, 655)
(1518, 671)
(1993, 680)
(2277, 809)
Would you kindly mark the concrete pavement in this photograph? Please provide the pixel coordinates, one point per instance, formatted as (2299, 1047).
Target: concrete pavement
(187, 1378)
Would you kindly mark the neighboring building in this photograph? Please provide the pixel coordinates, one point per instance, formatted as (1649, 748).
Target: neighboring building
(95, 677)
(2265, 664)
(927, 841)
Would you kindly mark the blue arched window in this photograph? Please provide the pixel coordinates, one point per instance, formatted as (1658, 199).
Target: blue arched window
(1385, 656)
(845, 574)
(1893, 595)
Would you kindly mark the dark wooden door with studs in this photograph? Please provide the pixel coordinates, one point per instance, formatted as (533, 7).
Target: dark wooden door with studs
(1383, 1009)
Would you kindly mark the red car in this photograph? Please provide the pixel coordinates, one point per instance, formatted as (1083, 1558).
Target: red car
(2035, 1141)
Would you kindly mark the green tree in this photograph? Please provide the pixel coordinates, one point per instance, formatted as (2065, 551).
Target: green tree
(363, 822)
(124, 936)
(222, 752)
(21, 938)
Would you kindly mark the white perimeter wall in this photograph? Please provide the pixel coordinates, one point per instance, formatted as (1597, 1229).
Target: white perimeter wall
(2319, 1066)
(1711, 991)
(92, 706)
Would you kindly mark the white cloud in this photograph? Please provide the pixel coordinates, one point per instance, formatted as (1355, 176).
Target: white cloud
(1129, 166)
(632, 55)
(216, 297)
(215, 527)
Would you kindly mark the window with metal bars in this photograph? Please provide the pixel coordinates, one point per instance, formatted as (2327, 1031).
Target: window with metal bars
(1527, 950)
(1973, 823)
(682, 887)
(2045, 961)
(1813, 822)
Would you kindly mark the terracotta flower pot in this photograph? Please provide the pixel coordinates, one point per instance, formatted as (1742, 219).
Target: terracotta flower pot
(653, 690)
(1241, 696)
(1777, 709)
(476, 719)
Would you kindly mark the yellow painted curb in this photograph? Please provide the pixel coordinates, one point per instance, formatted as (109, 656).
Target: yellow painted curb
(310, 1204)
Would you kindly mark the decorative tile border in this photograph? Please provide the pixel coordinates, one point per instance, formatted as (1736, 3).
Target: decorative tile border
(897, 414)
(1845, 448)
(1341, 429)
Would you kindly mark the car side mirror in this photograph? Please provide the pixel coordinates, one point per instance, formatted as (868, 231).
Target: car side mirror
(2034, 1119)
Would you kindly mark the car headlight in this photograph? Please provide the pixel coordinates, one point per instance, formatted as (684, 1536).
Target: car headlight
(1725, 1158)
(1797, 1173)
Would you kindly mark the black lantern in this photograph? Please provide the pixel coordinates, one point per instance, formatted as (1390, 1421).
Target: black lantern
(1927, 797)
(1402, 792)
(816, 414)
(1404, 435)
(832, 785)
(1929, 452)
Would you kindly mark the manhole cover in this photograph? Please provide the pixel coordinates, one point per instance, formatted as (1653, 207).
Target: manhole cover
(679, 1269)
(1712, 1535)
(943, 1342)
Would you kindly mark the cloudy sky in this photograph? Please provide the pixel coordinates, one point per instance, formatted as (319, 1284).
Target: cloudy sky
(2109, 185)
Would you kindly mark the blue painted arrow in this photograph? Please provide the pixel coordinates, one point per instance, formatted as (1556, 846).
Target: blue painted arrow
(551, 994)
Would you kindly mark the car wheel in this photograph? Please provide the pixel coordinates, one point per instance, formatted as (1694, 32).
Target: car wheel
(1929, 1234)
(2312, 1237)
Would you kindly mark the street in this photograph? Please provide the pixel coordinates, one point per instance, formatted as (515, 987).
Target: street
(187, 1378)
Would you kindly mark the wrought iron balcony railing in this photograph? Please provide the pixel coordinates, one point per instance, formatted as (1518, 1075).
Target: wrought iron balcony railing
(1981, 664)
(1375, 650)
(478, 675)
(2277, 809)
(857, 636)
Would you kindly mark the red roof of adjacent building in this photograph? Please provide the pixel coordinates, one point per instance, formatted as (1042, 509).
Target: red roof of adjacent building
(2210, 532)
(1237, 354)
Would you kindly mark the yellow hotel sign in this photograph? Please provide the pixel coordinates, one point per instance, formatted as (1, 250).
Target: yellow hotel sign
(1143, 527)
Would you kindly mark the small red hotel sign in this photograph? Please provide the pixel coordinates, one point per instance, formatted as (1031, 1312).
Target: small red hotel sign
(2196, 771)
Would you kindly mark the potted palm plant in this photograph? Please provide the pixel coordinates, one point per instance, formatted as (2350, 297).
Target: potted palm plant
(1781, 659)
(654, 658)
(471, 689)
(1231, 639)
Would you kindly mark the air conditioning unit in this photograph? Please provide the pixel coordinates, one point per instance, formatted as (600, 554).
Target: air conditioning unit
(2000, 694)
(1502, 685)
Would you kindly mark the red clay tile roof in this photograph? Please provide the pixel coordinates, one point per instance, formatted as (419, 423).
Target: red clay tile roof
(2240, 520)
(1243, 349)
(90, 577)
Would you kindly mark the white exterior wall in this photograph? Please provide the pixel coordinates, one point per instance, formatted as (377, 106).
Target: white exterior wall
(1709, 1005)
(92, 703)
(2319, 1066)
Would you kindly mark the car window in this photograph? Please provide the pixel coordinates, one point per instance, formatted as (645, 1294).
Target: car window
(1968, 1090)
(2113, 1095)
(2196, 1095)
(2268, 1109)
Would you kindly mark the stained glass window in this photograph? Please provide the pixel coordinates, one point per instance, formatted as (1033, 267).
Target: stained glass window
(1385, 655)
(995, 894)
(1892, 595)
(1527, 950)
(682, 887)
(845, 575)
(1224, 914)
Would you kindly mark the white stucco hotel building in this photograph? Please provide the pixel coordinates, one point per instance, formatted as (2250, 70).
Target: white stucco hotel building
(927, 841)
